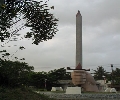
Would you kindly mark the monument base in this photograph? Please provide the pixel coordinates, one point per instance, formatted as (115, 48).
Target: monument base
(73, 90)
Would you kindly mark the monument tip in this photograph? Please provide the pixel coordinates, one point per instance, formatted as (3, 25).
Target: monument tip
(78, 13)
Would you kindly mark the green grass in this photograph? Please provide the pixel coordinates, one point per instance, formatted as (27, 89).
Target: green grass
(21, 94)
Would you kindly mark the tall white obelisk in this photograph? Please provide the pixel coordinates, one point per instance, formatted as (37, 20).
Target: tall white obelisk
(78, 38)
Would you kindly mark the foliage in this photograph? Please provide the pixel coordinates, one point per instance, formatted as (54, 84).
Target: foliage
(37, 79)
(41, 22)
(14, 74)
(55, 75)
(99, 73)
(115, 75)
(17, 74)
(5, 54)
(58, 74)
(20, 94)
(50, 79)
(42, 25)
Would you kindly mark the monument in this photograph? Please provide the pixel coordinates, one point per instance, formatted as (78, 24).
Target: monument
(80, 77)
(78, 38)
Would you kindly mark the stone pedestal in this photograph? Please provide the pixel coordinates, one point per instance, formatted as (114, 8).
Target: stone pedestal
(56, 89)
(73, 90)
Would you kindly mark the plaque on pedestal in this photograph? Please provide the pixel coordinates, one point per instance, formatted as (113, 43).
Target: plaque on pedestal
(73, 90)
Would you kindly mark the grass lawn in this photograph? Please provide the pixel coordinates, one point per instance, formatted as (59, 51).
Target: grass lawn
(21, 94)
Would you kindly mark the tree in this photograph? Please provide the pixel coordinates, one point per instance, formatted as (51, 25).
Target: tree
(42, 23)
(48, 79)
(14, 73)
(60, 74)
(99, 73)
(37, 79)
(116, 76)
(57, 74)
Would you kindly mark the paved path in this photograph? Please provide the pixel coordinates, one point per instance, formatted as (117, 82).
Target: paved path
(83, 96)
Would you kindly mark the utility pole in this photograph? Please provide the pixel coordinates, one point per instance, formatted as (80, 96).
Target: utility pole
(45, 83)
(112, 81)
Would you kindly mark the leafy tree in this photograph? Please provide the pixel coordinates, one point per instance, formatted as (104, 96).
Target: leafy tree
(14, 73)
(57, 74)
(99, 73)
(43, 26)
(42, 23)
(115, 76)
(50, 79)
(37, 79)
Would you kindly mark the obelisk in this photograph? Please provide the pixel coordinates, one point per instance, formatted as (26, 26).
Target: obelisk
(78, 39)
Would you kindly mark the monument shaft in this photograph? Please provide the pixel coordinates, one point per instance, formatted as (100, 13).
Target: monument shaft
(78, 38)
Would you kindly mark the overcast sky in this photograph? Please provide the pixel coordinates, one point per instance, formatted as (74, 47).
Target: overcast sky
(101, 37)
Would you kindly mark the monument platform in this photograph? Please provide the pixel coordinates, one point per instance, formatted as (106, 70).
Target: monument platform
(73, 90)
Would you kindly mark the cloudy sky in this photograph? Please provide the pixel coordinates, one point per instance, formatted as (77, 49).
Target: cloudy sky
(101, 37)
